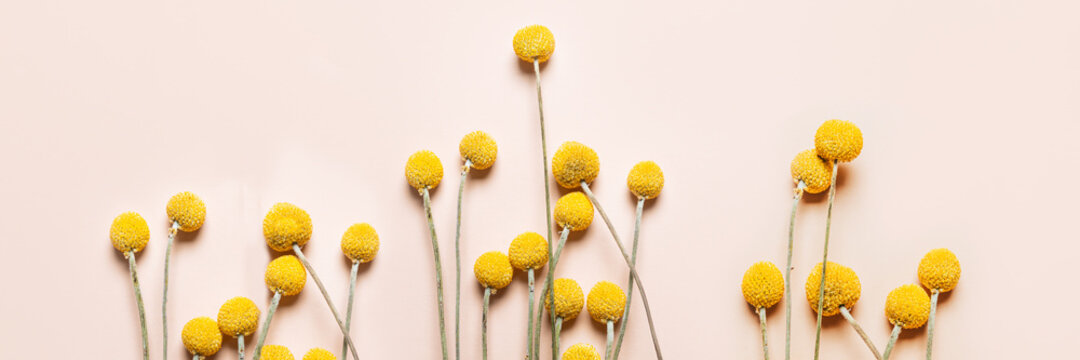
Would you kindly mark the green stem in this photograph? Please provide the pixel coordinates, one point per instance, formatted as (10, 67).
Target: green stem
(196, 357)
(438, 270)
(240, 345)
(165, 292)
(630, 281)
(130, 255)
(610, 339)
(787, 270)
(349, 306)
(930, 323)
(555, 347)
(764, 334)
(532, 299)
(866, 338)
(546, 290)
(892, 341)
(266, 324)
(547, 183)
(825, 258)
(457, 262)
(326, 296)
(483, 321)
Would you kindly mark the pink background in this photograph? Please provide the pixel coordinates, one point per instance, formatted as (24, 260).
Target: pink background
(969, 111)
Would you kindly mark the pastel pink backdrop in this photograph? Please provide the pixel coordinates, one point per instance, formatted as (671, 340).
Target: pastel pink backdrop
(968, 108)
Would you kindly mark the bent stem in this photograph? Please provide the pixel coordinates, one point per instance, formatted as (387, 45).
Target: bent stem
(555, 347)
(930, 323)
(547, 290)
(326, 296)
(547, 184)
(130, 255)
(348, 307)
(610, 339)
(787, 270)
(630, 281)
(240, 345)
(438, 270)
(457, 262)
(825, 258)
(855, 324)
(892, 341)
(483, 321)
(764, 335)
(529, 319)
(266, 324)
(165, 292)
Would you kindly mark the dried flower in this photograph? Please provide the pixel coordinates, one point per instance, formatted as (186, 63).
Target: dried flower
(812, 170)
(201, 336)
(907, 306)
(606, 302)
(838, 140)
(238, 316)
(573, 164)
(763, 285)
(187, 210)
(534, 42)
(645, 180)
(842, 288)
(528, 251)
(423, 170)
(286, 224)
(493, 270)
(286, 275)
(574, 211)
(939, 270)
(360, 242)
(129, 232)
(569, 299)
(479, 148)
(581, 351)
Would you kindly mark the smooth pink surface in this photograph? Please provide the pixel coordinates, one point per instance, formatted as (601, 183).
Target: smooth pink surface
(969, 111)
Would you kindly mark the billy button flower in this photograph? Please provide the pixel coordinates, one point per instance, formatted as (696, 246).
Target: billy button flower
(424, 171)
(238, 317)
(811, 174)
(569, 300)
(762, 287)
(939, 271)
(319, 354)
(606, 305)
(841, 290)
(478, 149)
(275, 352)
(187, 212)
(528, 252)
(360, 244)
(645, 181)
(284, 276)
(201, 337)
(493, 271)
(129, 235)
(573, 212)
(581, 351)
(906, 307)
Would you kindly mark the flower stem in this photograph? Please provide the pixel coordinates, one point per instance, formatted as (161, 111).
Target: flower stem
(764, 334)
(266, 324)
(930, 323)
(892, 341)
(610, 339)
(855, 324)
(240, 345)
(348, 308)
(483, 321)
(555, 347)
(825, 258)
(165, 292)
(457, 262)
(547, 183)
(547, 290)
(438, 270)
(532, 299)
(130, 255)
(196, 357)
(630, 281)
(787, 270)
(326, 296)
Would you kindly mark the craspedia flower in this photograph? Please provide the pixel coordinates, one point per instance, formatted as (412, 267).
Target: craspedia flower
(286, 275)
(574, 211)
(129, 232)
(528, 251)
(479, 148)
(286, 224)
(645, 180)
(812, 170)
(201, 336)
(606, 302)
(581, 351)
(534, 42)
(569, 299)
(493, 270)
(838, 140)
(423, 170)
(319, 354)
(238, 316)
(907, 306)
(842, 288)
(360, 242)
(763, 285)
(574, 163)
(276, 352)
(188, 210)
(939, 270)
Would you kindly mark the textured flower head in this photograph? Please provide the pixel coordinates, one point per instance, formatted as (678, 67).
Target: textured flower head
(812, 170)
(423, 170)
(360, 242)
(606, 302)
(238, 316)
(574, 211)
(129, 232)
(319, 354)
(581, 351)
(201, 336)
(569, 299)
(838, 140)
(276, 352)
(645, 180)
(939, 270)
(479, 148)
(574, 163)
(842, 288)
(907, 306)
(493, 270)
(188, 210)
(286, 275)
(528, 251)
(763, 285)
(534, 42)
(285, 225)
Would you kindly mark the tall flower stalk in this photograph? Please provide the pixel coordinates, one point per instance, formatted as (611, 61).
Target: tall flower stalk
(187, 212)
(479, 151)
(424, 172)
(129, 234)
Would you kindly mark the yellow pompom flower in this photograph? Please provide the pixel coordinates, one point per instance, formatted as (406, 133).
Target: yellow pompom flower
(812, 170)
(939, 270)
(763, 284)
(479, 148)
(569, 299)
(842, 288)
(574, 211)
(360, 242)
(129, 232)
(493, 270)
(423, 170)
(581, 351)
(276, 352)
(201, 336)
(238, 316)
(528, 251)
(188, 210)
(286, 275)
(645, 180)
(606, 302)
(907, 306)
(319, 354)
(838, 140)
(285, 225)
(534, 42)
(574, 163)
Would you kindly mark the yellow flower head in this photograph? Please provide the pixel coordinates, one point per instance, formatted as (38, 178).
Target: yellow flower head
(574, 211)
(838, 140)
(534, 42)
(286, 275)
(201, 336)
(645, 180)
(763, 285)
(276, 352)
(581, 351)
(360, 242)
(493, 270)
(285, 225)
(423, 170)
(812, 170)
(238, 316)
(606, 302)
(319, 354)
(907, 306)
(528, 251)
(568, 299)
(479, 148)
(842, 288)
(188, 210)
(574, 163)
(129, 232)
(939, 270)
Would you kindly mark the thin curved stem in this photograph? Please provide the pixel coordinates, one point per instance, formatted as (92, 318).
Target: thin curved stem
(610, 339)
(457, 262)
(825, 258)
(546, 290)
(438, 270)
(529, 319)
(348, 308)
(130, 255)
(483, 321)
(930, 323)
(866, 338)
(240, 345)
(266, 324)
(547, 183)
(787, 270)
(555, 347)
(630, 281)
(326, 296)
(165, 292)
(892, 341)
(764, 334)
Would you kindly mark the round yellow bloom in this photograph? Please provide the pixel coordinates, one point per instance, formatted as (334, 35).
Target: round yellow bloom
(188, 210)
(581, 351)
(319, 354)
(360, 242)
(763, 285)
(528, 251)
(574, 211)
(907, 306)
(606, 302)
(285, 225)
(479, 148)
(201, 336)
(276, 352)
(534, 42)
(286, 275)
(842, 288)
(812, 170)
(569, 299)
(423, 170)
(939, 270)
(838, 140)
(645, 180)
(493, 270)
(574, 163)
(129, 232)
(238, 316)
